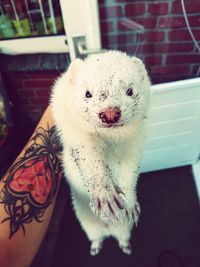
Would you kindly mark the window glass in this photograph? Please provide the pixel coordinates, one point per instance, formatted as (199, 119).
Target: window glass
(164, 34)
(30, 18)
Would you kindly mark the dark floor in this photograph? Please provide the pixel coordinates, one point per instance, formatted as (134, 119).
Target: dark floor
(168, 234)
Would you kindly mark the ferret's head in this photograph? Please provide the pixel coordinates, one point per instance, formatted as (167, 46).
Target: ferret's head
(105, 93)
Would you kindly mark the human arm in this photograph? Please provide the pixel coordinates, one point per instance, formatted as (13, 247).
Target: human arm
(27, 195)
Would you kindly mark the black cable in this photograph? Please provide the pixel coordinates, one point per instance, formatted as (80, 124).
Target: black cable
(170, 253)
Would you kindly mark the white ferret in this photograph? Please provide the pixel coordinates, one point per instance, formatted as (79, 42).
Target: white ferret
(99, 105)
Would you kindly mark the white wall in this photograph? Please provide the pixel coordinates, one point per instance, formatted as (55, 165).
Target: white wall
(173, 132)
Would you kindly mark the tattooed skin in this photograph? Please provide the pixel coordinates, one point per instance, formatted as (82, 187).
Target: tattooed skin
(32, 181)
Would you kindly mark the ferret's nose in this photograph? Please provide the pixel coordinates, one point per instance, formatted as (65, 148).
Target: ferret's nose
(110, 115)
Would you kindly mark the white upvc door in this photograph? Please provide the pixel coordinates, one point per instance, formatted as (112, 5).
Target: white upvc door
(81, 23)
(173, 132)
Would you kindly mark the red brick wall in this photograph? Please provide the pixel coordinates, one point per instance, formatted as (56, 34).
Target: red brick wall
(30, 91)
(165, 46)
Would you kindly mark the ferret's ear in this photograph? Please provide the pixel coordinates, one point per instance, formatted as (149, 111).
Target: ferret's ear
(73, 69)
(141, 69)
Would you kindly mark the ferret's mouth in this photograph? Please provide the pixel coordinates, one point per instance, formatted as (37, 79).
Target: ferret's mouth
(111, 125)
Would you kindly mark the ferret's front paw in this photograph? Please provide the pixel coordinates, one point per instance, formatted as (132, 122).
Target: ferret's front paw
(109, 205)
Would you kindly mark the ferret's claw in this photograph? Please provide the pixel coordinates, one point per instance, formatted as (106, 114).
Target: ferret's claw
(135, 213)
(126, 248)
(118, 190)
(94, 251)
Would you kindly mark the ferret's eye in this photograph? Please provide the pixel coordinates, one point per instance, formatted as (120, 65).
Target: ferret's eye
(88, 94)
(129, 91)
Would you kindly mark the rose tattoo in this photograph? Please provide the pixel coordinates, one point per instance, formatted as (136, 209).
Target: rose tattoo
(32, 181)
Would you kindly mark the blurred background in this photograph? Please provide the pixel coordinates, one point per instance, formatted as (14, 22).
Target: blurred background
(156, 31)
(38, 40)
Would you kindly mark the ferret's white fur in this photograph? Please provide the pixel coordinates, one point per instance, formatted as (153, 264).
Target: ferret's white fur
(101, 163)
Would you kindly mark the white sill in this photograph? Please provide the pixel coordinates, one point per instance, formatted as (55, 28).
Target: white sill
(47, 44)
